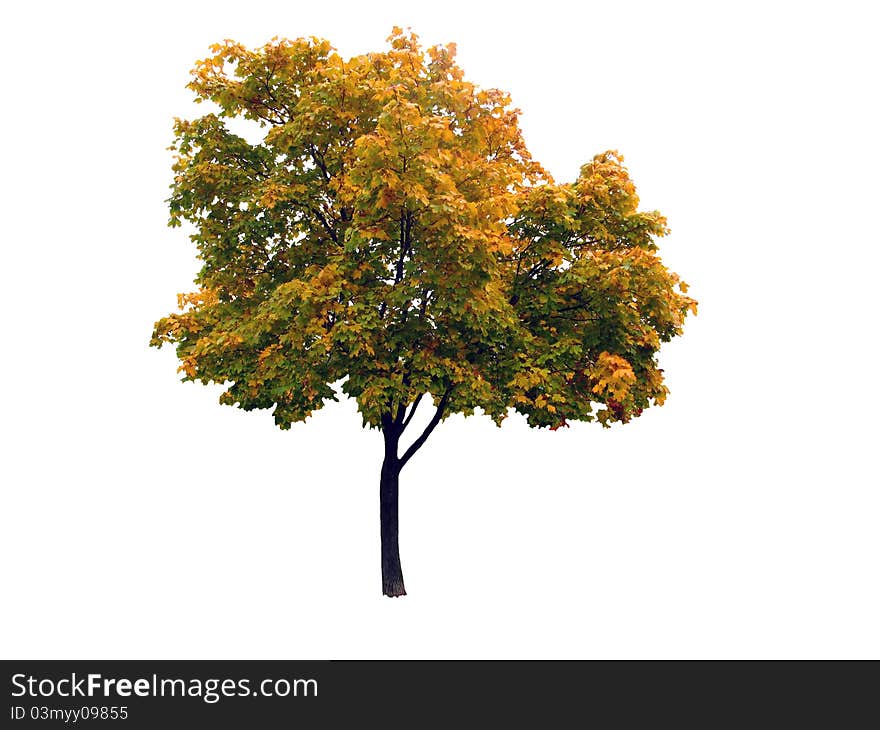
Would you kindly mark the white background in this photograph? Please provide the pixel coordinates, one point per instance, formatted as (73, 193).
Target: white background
(139, 518)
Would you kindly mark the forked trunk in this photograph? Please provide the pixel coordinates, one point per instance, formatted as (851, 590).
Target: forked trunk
(392, 427)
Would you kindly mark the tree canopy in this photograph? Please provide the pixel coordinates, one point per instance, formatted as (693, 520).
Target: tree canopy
(390, 230)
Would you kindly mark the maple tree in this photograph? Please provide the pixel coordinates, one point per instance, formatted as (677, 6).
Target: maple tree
(390, 231)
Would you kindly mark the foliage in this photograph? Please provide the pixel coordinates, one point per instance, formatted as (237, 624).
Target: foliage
(391, 230)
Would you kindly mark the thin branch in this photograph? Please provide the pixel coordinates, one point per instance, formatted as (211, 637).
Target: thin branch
(319, 161)
(401, 412)
(404, 245)
(417, 444)
(519, 285)
(580, 305)
(412, 411)
(534, 270)
(401, 407)
(326, 225)
(274, 118)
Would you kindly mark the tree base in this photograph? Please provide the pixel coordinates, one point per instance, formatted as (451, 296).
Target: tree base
(394, 591)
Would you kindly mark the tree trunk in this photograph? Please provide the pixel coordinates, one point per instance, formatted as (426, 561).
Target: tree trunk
(392, 575)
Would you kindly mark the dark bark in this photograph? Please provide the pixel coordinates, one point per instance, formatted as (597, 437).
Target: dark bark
(392, 428)
(432, 424)
(392, 575)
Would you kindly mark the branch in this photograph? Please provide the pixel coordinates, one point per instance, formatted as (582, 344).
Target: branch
(326, 225)
(534, 270)
(259, 167)
(412, 411)
(417, 444)
(404, 245)
(517, 285)
(319, 161)
(401, 412)
(581, 304)
(274, 118)
(401, 407)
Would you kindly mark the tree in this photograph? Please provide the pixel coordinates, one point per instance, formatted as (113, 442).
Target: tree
(391, 231)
